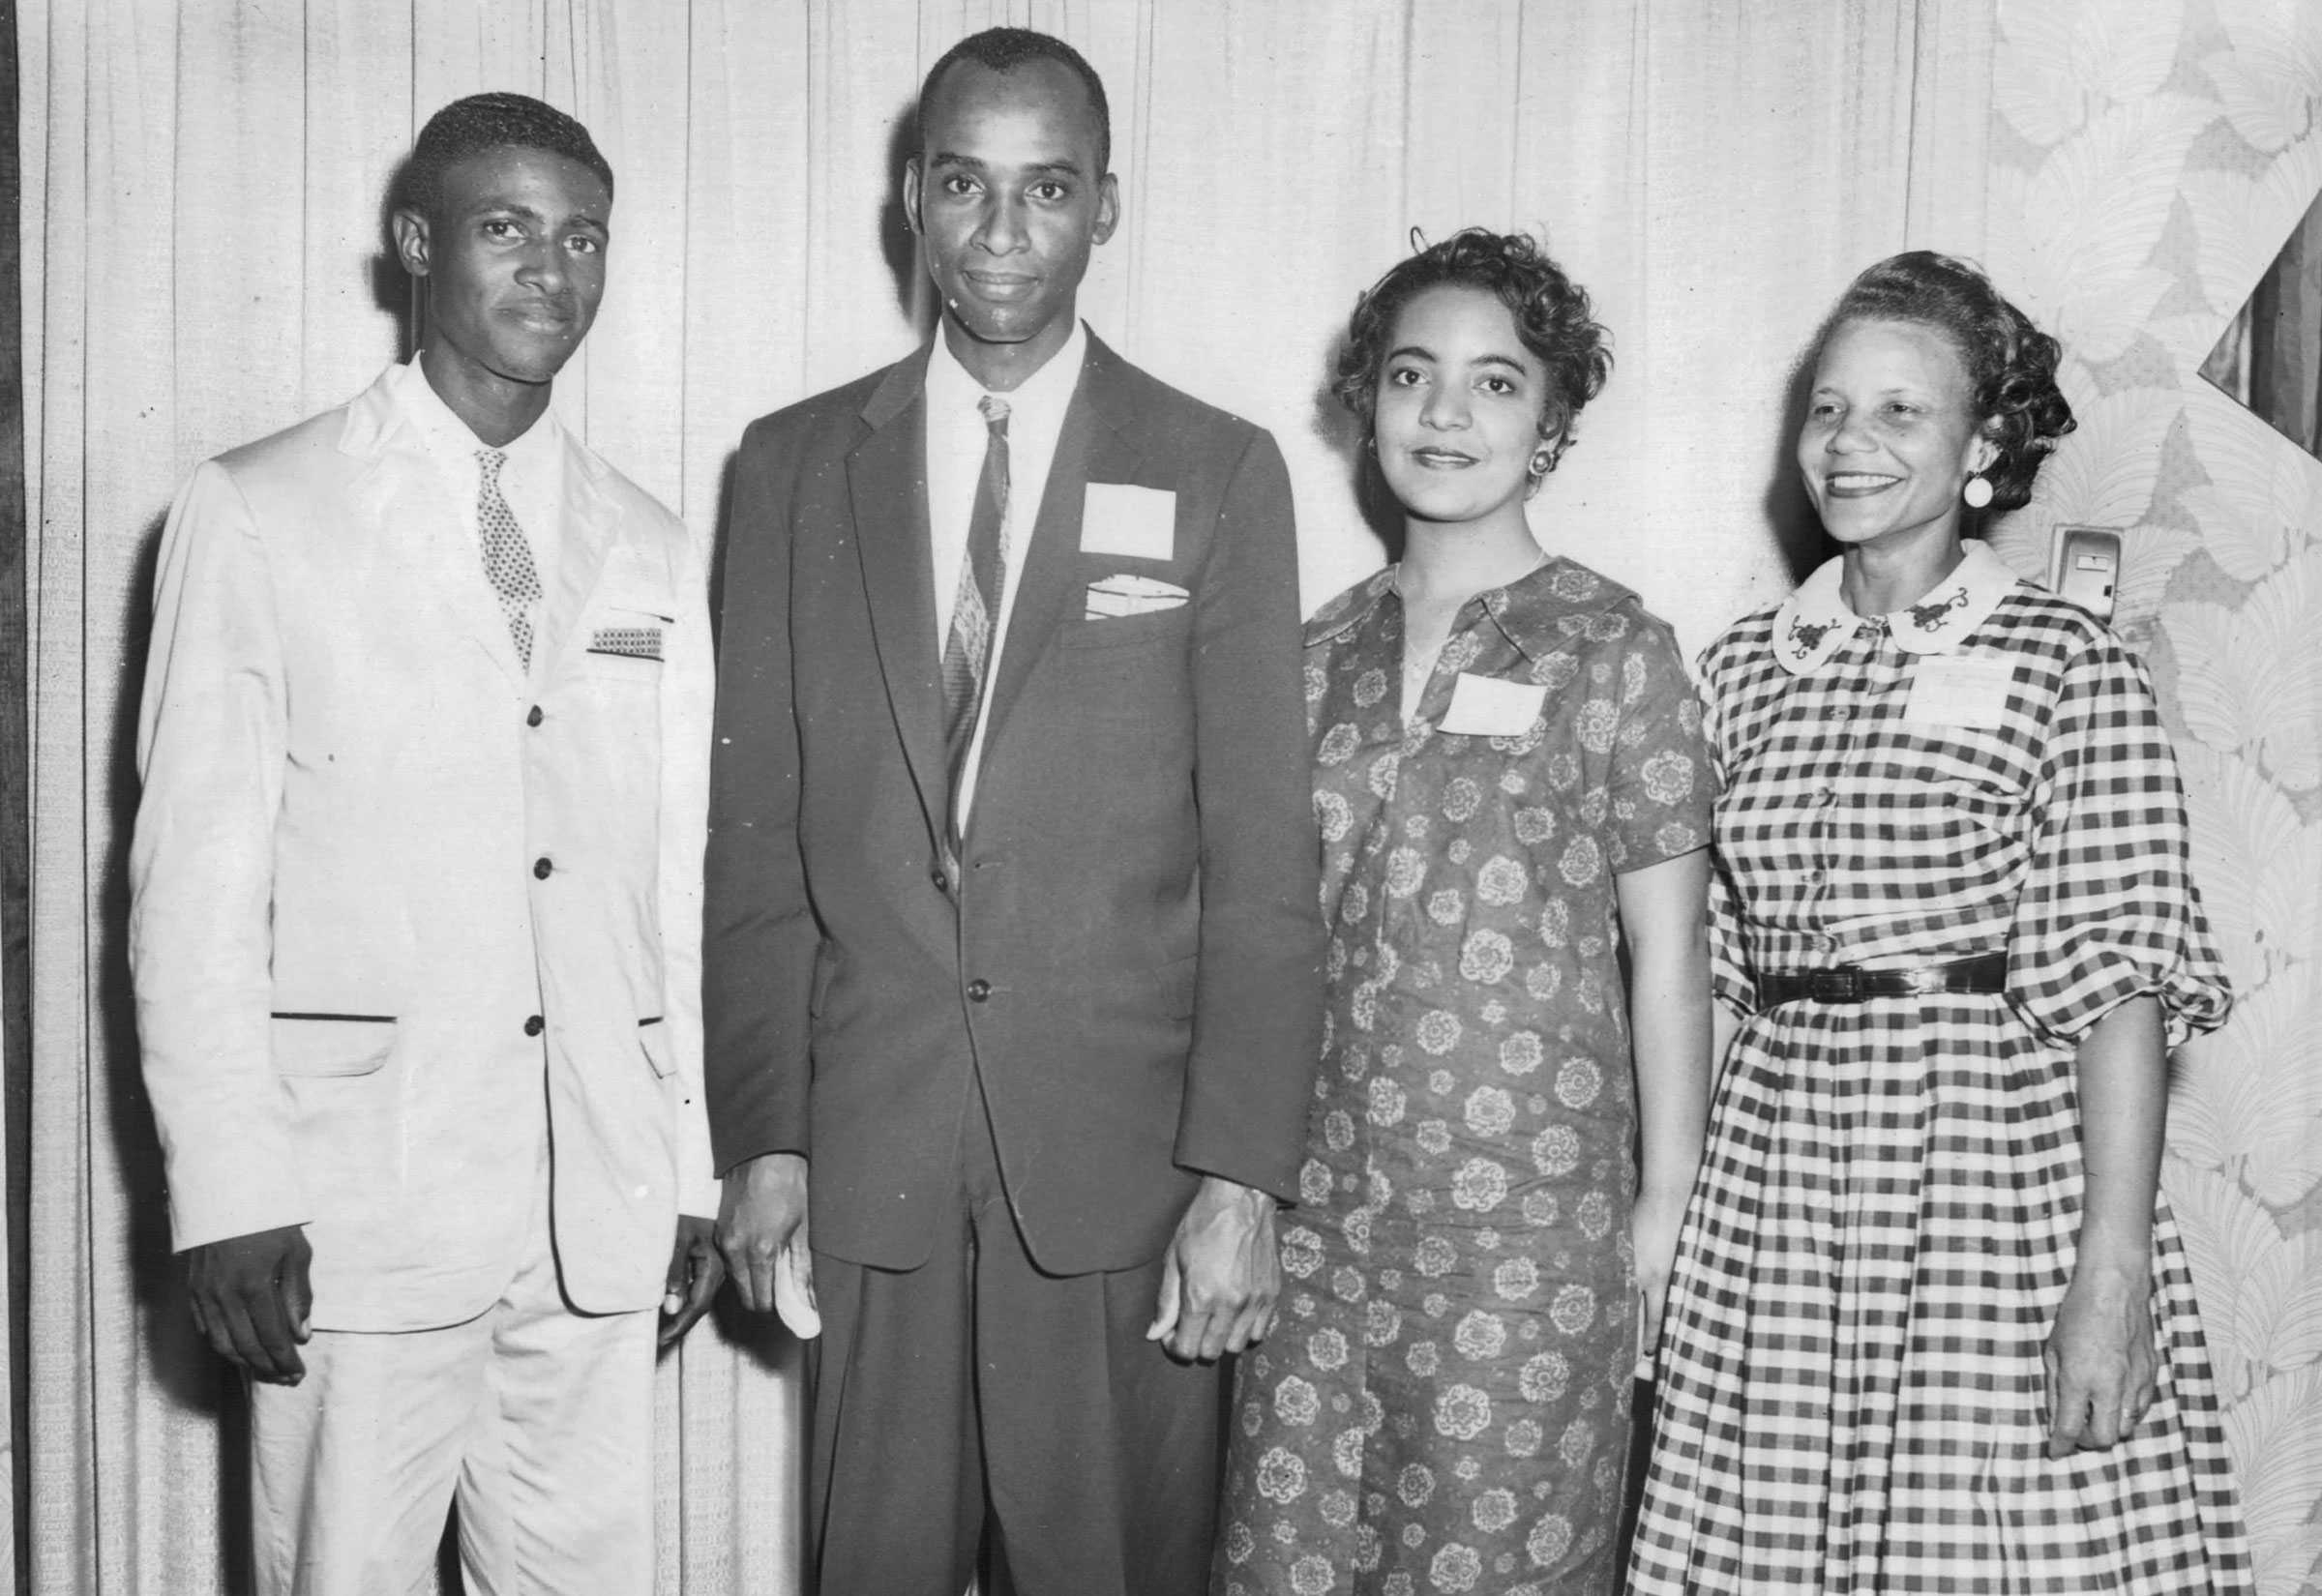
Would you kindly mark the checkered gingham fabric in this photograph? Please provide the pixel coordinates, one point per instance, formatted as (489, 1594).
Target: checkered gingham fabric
(1850, 1385)
(507, 554)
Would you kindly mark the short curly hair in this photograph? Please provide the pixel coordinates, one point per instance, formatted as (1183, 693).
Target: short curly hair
(2011, 364)
(484, 122)
(1552, 314)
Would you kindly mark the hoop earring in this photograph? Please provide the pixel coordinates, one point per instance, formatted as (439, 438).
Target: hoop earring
(1976, 491)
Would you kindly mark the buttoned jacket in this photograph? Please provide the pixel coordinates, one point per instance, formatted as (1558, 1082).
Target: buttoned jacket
(1125, 958)
(407, 915)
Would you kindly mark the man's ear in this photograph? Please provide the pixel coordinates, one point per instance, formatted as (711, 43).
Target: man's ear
(911, 194)
(411, 240)
(1108, 207)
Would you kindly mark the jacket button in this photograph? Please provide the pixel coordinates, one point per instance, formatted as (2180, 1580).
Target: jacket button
(534, 717)
(535, 1025)
(978, 991)
(942, 881)
(541, 866)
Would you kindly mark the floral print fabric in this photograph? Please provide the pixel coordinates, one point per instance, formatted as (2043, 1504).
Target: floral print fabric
(1443, 1404)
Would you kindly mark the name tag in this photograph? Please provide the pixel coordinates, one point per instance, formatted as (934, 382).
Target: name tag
(1485, 706)
(1960, 690)
(1123, 519)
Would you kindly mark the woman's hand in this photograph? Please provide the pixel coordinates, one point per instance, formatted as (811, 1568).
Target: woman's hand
(2101, 1359)
(1653, 1228)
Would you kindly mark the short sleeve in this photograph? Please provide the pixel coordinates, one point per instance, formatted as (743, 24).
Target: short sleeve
(2109, 912)
(1658, 782)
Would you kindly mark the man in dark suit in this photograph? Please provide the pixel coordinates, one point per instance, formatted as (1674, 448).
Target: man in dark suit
(1013, 954)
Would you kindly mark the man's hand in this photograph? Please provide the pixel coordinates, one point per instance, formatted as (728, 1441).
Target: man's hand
(251, 1299)
(1221, 1274)
(695, 1272)
(2101, 1359)
(764, 1203)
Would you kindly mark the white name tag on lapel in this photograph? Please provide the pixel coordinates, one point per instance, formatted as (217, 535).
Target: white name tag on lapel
(1960, 690)
(1120, 519)
(1486, 706)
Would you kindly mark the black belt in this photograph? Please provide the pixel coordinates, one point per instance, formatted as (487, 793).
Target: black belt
(1985, 972)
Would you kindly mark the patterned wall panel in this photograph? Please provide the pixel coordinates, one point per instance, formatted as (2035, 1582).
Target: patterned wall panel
(2149, 160)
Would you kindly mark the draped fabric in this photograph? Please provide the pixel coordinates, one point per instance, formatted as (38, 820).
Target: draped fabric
(2286, 368)
(204, 262)
(2271, 357)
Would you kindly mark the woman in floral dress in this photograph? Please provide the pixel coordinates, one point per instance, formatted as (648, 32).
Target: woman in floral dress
(1931, 1328)
(1510, 785)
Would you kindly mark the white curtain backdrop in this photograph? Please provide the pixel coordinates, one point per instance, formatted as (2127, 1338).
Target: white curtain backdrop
(203, 264)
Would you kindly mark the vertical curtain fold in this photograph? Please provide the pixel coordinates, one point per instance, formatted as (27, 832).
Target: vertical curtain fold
(16, 940)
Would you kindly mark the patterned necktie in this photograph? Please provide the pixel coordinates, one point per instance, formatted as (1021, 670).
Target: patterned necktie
(507, 556)
(967, 650)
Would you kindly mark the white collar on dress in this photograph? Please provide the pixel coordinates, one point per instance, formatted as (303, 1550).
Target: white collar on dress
(1814, 622)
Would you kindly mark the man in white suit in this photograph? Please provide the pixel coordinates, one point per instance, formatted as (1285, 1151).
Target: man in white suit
(416, 920)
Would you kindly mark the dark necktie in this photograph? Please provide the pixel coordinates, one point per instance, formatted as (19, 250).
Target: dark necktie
(507, 556)
(968, 649)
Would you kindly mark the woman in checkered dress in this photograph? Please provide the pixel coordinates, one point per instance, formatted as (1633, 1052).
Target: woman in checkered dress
(1930, 1327)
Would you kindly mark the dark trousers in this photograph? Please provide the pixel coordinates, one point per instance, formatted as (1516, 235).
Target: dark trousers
(975, 1382)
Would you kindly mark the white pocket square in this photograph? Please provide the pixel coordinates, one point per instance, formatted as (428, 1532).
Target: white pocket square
(1128, 594)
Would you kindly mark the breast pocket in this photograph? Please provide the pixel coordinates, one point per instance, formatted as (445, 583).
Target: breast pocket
(626, 643)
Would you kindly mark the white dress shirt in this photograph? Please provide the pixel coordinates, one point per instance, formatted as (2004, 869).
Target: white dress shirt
(956, 439)
(531, 476)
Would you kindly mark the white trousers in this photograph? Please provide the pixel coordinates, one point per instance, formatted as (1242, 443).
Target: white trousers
(536, 1419)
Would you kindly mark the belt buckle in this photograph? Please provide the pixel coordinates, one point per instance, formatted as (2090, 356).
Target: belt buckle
(1835, 986)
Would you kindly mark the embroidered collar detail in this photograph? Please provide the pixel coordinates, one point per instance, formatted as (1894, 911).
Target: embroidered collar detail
(1543, 612)
(1814, 622)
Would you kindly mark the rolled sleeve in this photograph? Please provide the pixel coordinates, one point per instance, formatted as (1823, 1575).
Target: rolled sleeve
(2109, 910)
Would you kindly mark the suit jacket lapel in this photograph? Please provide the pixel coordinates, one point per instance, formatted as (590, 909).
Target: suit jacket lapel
(1089, 449)
(886, 477)
(401, 493)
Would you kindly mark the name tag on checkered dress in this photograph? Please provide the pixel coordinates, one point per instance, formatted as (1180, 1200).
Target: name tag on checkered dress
(1960, 690)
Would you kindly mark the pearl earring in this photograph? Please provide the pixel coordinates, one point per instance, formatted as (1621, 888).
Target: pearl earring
(1976, 491)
